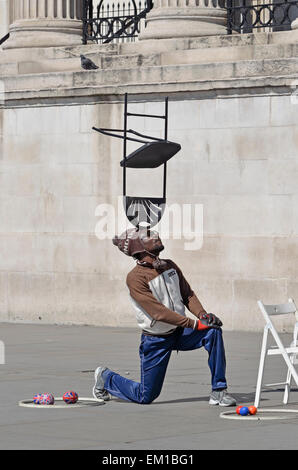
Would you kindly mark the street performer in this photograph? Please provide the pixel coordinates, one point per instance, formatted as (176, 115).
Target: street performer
(159, 293)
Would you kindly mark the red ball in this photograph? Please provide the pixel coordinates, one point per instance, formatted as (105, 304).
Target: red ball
(252, 410)
(238, 409)
(70, 397)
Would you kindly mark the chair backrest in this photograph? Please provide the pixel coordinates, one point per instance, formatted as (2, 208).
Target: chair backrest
(278, 309)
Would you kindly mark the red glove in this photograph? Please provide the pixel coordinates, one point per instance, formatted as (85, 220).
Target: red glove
(207, 320)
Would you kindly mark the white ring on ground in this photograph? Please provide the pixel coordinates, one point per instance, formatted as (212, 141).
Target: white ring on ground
(79, 404)
(257, 417)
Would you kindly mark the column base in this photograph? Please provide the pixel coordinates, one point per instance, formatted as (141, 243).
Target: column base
(44, 33)
(166, 23)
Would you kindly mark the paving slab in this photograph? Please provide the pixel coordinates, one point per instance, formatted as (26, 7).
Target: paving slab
(53, 358)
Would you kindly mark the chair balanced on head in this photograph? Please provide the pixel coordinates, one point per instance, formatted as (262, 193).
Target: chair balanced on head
(288, 353)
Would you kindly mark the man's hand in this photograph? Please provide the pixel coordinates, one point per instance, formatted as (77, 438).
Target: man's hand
(214, 320)
(207, 320)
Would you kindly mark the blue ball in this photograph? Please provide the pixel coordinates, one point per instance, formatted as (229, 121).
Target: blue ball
(244, 411)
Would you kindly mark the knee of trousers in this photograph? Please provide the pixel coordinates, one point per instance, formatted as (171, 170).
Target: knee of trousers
(216, 331)
(149, 396)
(214, 335)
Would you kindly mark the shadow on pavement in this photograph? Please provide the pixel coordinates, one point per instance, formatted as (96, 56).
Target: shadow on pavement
(240, 398)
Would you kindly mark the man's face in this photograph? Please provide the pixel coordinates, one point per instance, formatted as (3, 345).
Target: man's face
(151, 241)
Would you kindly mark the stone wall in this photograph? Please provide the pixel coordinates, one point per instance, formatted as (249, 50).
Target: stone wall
(238, 159)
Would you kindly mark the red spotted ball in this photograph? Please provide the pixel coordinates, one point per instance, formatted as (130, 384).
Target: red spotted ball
(70, 397)
(47, 399)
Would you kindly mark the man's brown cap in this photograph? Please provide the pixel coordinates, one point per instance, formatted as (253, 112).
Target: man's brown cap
(129, 242)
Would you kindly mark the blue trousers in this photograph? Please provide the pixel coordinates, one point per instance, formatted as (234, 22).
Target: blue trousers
(155, 352)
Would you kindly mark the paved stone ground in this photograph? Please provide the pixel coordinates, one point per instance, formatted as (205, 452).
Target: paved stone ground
(58, 358)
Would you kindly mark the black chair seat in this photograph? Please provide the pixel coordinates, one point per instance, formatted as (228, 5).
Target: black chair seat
(151, 155)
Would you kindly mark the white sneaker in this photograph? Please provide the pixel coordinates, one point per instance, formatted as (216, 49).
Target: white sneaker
(99, 391)
(221, 398)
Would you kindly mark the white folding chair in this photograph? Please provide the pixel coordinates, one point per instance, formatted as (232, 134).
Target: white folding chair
(288, 353)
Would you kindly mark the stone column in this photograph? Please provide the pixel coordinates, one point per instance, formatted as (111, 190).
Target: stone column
(184, 19)
(44, 23)
(4, 18)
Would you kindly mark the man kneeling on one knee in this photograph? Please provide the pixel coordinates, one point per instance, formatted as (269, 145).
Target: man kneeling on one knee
(159, 293)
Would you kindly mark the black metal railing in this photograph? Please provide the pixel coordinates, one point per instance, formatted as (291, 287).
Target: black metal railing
(114, 21)
(2, 40)
(245, 16)
(120, 21)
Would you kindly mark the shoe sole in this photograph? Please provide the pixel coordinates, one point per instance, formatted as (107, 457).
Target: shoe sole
(95, 378)
(93, 393)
